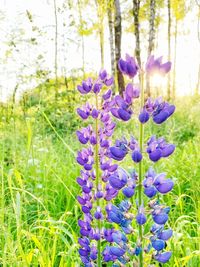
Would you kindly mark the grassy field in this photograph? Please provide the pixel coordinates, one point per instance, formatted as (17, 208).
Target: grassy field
(38, 208)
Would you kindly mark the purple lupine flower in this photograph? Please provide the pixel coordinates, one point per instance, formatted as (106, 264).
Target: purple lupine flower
(107, 95)
(116, 251)
(156, 66)
(163, 185)
(141, 218)
(131, 92)
(122, 106)
(136, 156)
(165, 234)
(134, 147)
(128, 192)
(128, 66)
(144, 116)
(163, 257)
(119, 151)
(156, 183)
(158, 244)
(103, 76)
(158, 148)
(86, 86)
(86, 158)
(98, 214)
(93, 253)
(159, 110)
(160, 215)
(85, 112)
(116, 180)
(162, 111)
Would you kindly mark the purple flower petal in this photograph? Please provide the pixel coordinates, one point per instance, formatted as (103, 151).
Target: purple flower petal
(117, 153)
(161, 117)
(116, 251)
(85, 209)
(136, 156)
(114, 112)
(83, 252)
(109, 82)
(160, 218)
(82, 114)
(103, 74)
(124, 115)
(165, 187)
(131, 70)
(171, 109)
(155, 155)
(81, 200)
(122, 65)
(95, 113)
(144, 116)
(80, 181)
(80, 89)
(116, 183)
(163, 257)
(166, 234)
(88, 167)
(97, 88)
(107, 95)
(150, 191)
(168, 150)
(114, 217)
(141, 218)
(128, 192)
(158, 244)
(165, 68)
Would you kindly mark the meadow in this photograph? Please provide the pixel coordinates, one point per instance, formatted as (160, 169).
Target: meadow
(38, 206)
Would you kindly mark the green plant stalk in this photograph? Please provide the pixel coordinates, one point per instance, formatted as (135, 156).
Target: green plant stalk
(141, 137)
(97, 182)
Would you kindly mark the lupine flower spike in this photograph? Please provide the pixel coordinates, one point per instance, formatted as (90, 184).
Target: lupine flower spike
(107, 232)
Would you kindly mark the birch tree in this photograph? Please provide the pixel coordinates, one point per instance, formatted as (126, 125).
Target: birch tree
(101, 5)
(56, 50)
(169, 46)
(110, 14)
(118, 36)
(152, 8)
(136, 11)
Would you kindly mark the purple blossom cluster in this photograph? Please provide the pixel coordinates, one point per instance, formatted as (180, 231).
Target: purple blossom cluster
(107, 225)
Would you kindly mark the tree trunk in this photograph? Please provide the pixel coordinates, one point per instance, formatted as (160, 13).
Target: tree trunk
(14, 98)
(56, 51)
(136, 10)
(151, 39)
(169, 47)
(118, 35)
(174, 73)
(100, 14)
(111, 40)
(82, 39)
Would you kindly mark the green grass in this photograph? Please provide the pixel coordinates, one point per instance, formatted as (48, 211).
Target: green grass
(38, 207)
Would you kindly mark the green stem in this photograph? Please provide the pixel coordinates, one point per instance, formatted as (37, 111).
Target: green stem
(141, 170)
(97, 182)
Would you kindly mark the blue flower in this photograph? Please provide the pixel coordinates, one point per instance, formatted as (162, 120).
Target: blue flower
(163, 257)
(128, 66)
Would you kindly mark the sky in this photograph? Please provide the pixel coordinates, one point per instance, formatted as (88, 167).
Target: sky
(20, 62)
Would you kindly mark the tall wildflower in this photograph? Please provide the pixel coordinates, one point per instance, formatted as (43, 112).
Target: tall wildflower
(106, 227)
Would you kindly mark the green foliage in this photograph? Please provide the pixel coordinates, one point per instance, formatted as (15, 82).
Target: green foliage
(39, 211)
(179, 9)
